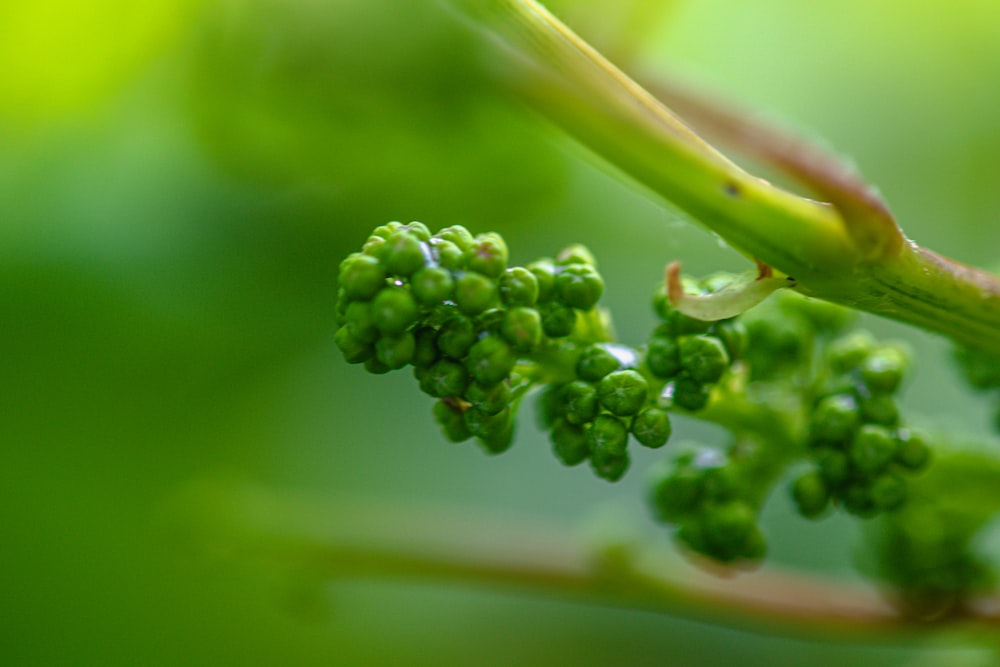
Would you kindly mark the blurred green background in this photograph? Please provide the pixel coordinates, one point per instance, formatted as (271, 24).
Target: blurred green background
(178, 181)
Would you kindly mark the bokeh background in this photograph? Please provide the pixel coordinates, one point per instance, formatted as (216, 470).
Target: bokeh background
(178, 181)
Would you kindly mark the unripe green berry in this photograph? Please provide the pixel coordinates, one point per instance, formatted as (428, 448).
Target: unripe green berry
(418, 230)
(456, 234)
(849, 352)
(354, 350)
(810, 494)
(913, 452)
(569, 442)
(623, 392)
(376, 367)
(834, 466)
(576, 254)
(425, 351)
(445, 378)
(595, 362)
(607, 435)
(487, 255)
(491, 360)
(474, 293)
(558, 320)
(882, 371)
(452, 421)
(703, 357)
(690, 394)
(609, 467)
(518, 287)
(387, 230)
(580, 401)
(432, 285)
(404, 254)
(835, 419)
(394, 310)
(361, 277)
(677, 494)
(651, 427)
(522, 327)
(396, 351)
(579, 286)
(490, 399)
(359, 321)
(880, 409)
(375, 247)
(490, 321)
(873, 449)
(888, 492)
(663, 357)
(727, 527)
(456, 336)
(448, 255)
(545, 275)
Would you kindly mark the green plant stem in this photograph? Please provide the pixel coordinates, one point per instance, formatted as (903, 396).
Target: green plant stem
(366, 541)
(848, 250)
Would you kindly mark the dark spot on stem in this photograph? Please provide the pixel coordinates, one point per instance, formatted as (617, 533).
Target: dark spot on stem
(731, 189)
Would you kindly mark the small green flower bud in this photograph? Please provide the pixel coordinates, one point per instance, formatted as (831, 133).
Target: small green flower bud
(361, 277)
(518, 287)
(456, 336)
(834, 419)
(387, 230)
(558, 320)
(354, 350)
(873, 449)
(487, 255)
(913, 452)
(623, 392)
(576, 254)
(447, 254)
(609, 467)
(551, 409)
(545, 275)
(834, 466)
(490, 321)
(491, 360)
(396, 351)
(580, 401)
(432, 285)
(425, 350)
(404, 254)
(595, 362)
(663, 357)
(810, 494)
(733, 335)
(418, 230)
(880, 409)
(490, 399)
(359, 321)
(979, 367)
(498, 441)
(651, 427)
(703, 357)
(444, 378)
(569, 443)
(522, 327)
(474, 293)
(882, 371)
(376, 367)
(579, 286)
(452, 421)
(677, 494)
(394, 310)
(483, 425)
(888, 492)
(857, 500)
(727, 527)
(847, 353)
(607, 435)
(456, 234)
(690, 394)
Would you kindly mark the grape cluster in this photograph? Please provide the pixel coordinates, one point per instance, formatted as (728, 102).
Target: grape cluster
(860, 450)
(705, 494)
(690, 354)
(449, 305)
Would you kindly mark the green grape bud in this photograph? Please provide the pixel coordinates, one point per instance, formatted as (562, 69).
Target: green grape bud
(676, 323)
(425, 350)
(354, 350)
(873, 449)
(445, 378)
(607, 435)
(579, 286)
(487, 426)
(733, 335)
(811, 495)
(979, 367)
(518, 287)
(458, 235)
(882, 371)
(487, 255)
(623, 392)
(913, 452)
(703, 357)
(726, 529)
(394, 310)
(404, 254)
(418, 230)
(663, 357)
(879, 409)
(551, 409)
(544, 272)
(690, 394)
(522, 327)
(396, 351)
(576, 254)
(375, 247)
(569, 443)
(888, 492)
(678, 494)
(610, 467)
(452, 421)
(595, 362)
(490, 321)
(834, 419)
(359, 321)
(558, 320)
(834, 466)
(580, 401)
(456, 336)
(847, 353)
(474, 293)
(491, 360)
(490, 399)
(500, 440)
(857, 500)
(651, 427)
(432, 285)
(387, 230)
(361, 277)
(449, 256)
(376, 367)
